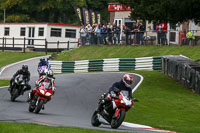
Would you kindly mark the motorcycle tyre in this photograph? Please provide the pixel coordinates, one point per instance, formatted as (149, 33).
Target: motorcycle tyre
(94, 120)
(30, 109)
(14, 94)
(39, 106)
(115, 123)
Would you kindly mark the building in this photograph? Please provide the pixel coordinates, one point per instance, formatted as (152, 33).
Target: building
(35, 35)
(119, 14)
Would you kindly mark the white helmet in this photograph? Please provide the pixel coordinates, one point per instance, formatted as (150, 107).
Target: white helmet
(128, 80)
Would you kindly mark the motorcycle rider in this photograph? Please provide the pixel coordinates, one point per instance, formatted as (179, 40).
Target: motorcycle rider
(123, 84)
(43, 62)
(49, 78)
(26, 76)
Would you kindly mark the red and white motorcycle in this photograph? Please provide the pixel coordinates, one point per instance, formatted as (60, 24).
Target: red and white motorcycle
(41, 96)
(113, 113)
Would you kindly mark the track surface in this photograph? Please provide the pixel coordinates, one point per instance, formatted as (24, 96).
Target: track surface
(72, 105)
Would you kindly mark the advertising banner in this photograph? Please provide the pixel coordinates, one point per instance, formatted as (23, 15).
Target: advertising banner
(118, 7)
(79, 14)
(99, 18)
(93, 19)
(86, 16)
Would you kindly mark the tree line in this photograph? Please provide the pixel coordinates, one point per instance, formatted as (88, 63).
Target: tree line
(55, 11)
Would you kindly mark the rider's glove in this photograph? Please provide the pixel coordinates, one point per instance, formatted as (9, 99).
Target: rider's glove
(54, 89)
(113, 94)
(37, 84)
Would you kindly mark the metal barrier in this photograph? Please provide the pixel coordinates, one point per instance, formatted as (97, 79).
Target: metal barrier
(183, 70)
(114, 64)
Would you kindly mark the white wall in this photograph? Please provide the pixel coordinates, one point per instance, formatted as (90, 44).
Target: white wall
(15, 29)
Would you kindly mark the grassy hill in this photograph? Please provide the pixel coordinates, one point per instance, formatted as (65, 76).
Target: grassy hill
(100, 52)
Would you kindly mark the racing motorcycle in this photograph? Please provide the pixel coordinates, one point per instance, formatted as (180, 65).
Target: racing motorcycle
(17, 87)
(42, 70)
(42, 95)
(114, 113)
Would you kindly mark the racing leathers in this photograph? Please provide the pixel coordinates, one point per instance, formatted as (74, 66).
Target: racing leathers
(26, 77)
(116, 87)
(38, 83)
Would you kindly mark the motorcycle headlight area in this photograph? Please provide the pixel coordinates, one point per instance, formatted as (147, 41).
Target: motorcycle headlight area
(48, 94)
(42, 92)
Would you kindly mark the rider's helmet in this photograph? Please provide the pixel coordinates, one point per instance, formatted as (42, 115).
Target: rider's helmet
(42, 59)
(128, 80)
(24, 68)
(50, 74)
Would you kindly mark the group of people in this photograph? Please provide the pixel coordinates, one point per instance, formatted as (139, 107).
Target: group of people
(45, 77)
(100, 34)
(111, 34)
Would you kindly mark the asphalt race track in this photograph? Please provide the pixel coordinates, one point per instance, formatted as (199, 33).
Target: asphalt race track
(72, 105)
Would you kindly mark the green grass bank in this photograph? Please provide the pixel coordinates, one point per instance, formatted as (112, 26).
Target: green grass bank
(11, 57)
(101, 52)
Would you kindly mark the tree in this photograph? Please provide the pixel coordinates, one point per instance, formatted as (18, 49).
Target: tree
(164, 10)
(55, 11)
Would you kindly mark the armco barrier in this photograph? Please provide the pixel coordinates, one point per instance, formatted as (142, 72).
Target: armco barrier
(183, 70)
(114, 64)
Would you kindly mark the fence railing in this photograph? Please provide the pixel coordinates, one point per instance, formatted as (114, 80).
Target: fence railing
(35, 44)
(114, 64)
(183, 70)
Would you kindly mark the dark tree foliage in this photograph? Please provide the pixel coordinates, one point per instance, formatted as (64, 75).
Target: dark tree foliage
(164, 10)
(55, 11)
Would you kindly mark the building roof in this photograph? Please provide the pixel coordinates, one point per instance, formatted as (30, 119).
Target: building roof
(52, 24)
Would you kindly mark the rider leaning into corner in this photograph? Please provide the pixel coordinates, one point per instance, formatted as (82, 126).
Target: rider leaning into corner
(43, 62)
(48, 78)
(26, 76)
(123, 84)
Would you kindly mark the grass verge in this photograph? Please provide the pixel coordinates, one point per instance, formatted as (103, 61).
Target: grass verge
(4, 82)
(34, 128)
(101, 52)
(165, 104)
(11, 57)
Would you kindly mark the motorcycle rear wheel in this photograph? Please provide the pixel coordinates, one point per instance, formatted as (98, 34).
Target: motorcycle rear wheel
(95, 121)
(39, 106)
(116, 122)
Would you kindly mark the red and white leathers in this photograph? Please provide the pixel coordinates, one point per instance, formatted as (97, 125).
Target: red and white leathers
(42, 79)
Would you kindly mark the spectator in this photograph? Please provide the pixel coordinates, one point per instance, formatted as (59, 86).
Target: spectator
(141, 30)
(109, 31)
(164, 34)
(118, 32)
(159, 32)
(127, 32)
(114, 31)
(104, 34)
(83, 35)
(98, 32)
(133, 31)
(89, 33)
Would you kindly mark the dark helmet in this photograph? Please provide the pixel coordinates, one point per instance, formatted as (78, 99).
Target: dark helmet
(42, 59)
(50, 74)
(25, 67)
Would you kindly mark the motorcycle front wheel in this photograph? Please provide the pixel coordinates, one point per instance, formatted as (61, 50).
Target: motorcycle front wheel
(116, 122)
(31, 106)
(95, 121)
(14, 94)
(39, 106)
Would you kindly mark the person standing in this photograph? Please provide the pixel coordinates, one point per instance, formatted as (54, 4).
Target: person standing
(89, 32)
(98, 32)
(159, 32)
(133, 32)
(127, 32)
(118, 32)
(164, 34)
(104, 34)
(83, 34)
(109, 31)
(141, 31)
